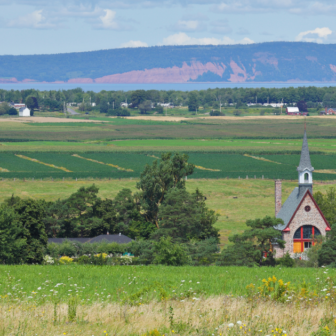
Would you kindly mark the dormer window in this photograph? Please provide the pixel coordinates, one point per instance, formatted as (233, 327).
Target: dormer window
(306, 177)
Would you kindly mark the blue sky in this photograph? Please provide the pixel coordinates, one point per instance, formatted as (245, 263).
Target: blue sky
(58, 26)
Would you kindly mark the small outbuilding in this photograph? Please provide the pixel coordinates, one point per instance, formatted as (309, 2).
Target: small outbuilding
(24, 112)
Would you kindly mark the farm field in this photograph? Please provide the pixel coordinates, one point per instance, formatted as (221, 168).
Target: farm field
(121, 128)
(255, 198)
(158, 300)
(209, 165)
(225, 145)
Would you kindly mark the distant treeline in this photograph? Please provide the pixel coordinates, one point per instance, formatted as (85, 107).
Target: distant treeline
(54, 100)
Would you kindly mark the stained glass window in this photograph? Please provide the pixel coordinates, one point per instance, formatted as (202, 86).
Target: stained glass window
(307, 232)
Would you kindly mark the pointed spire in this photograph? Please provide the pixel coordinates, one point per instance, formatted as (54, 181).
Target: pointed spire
(305, 157)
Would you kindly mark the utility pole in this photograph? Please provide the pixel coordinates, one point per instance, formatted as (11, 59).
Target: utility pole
(281, 105)
(256, 100)
(113, 105)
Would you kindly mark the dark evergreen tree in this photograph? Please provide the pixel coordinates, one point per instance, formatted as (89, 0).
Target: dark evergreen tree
(30, 214)
(253, 244)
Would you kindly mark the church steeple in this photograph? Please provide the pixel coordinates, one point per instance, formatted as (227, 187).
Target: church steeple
(305, 167)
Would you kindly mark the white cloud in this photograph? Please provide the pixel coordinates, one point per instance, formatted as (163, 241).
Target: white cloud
(134, 44)
(108, 20)
(35, 20)
(317, 35)
(184, 39)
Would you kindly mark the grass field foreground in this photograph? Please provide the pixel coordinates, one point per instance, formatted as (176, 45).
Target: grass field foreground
(159, 300)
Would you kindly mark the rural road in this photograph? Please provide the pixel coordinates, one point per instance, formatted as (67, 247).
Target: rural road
(71, 111)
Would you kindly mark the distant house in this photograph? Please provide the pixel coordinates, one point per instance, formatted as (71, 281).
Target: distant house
(18, 106)
(293, 111)
(115, 238)
(329, 111)
(24, 112)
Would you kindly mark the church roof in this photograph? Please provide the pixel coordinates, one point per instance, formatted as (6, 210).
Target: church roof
(289, 207)
(305, 157)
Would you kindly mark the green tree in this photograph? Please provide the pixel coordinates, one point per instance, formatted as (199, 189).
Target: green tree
(12, 243)
(327, 252)
(4, 108)
(169, 254)
(327, 204)
(156, 180)
(302, 105)
(193, 103)
(159, 109)
(103, 106)
(145, 107)
(184, 216)
(138, 97)
(32, 104)
(30, 215)
(249, 247)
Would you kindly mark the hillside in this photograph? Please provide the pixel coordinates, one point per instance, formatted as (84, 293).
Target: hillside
(265, 62)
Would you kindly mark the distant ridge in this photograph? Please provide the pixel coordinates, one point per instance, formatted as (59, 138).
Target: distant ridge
(264, 62)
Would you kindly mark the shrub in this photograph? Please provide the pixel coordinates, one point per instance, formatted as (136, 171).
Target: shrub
(12, 111)
(65, 260)
(48, 260)
(67, 248)
(216, 113)
(170, 254)
(286, 261)
(83, 260)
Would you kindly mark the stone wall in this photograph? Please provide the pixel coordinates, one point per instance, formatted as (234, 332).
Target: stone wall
(302, 217)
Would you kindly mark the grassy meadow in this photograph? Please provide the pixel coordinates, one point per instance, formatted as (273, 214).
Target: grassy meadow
(156, 300)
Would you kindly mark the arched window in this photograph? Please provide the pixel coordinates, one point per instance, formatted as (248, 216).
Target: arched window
(306, 177)
(303, 237)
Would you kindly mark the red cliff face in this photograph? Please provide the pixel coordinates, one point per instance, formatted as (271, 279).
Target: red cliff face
(184, 74)
(167, 75)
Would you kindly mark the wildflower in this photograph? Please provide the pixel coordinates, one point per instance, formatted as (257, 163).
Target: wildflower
(182, 280)
(230, 325)
(239, 322)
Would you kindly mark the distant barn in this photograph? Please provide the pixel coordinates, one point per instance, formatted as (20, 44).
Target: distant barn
(293, 111)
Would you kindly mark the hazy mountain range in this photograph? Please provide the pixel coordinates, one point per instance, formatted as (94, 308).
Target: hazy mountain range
(264, 62)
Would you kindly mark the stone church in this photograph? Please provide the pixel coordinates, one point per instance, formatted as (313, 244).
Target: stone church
(301, 215)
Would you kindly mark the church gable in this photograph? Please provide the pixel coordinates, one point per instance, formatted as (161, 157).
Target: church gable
(307, 221)
(308, 213)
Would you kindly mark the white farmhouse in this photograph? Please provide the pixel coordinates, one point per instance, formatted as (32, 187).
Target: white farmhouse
(24, 112)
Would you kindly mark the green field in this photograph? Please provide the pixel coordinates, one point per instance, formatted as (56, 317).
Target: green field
(198, 128)
(114, 283)
(130, 165)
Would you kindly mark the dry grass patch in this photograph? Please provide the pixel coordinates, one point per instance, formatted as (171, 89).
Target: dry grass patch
(221, 315)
